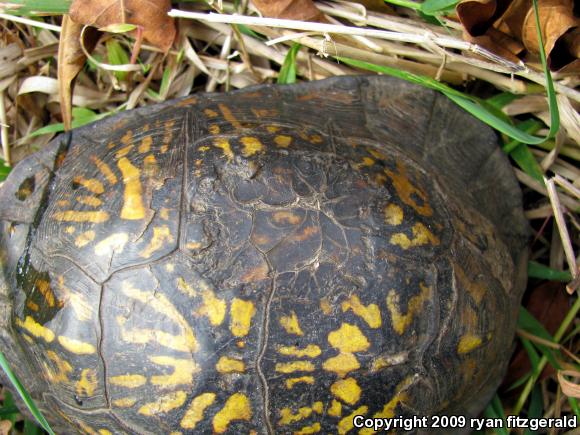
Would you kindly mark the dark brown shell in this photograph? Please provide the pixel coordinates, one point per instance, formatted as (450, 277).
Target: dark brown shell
(278, 259)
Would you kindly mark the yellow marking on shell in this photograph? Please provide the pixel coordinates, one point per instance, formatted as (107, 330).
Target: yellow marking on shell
(288, 417)
(76, 346)
(305, 234)
(133, 208)
(124, 151)
(213, 307)
(35, 329)
(475, 289)
(127, 138)
(193, 245)
(290, 324)
(85, 238)
(335, 409)
(369, 313)
(92, 201)
(105, 170)
(164, 213)
(186, 341)
(310, 351)
(161, 235)
(346, 390)
(241, 344)
(421, 236)
(145, 145)
(347, 423)
(325, 306)
(167, 135)
(63, 203)
(183, 370)
(128, 381)
(184, 287)
(376, 154)
(315, 138)
(367, 161)
(283, 141)
(241, 313)
(224, 145)
(313, 428)
(164, 403)
(255, 274)
(150, 168)
(194, 413)
(70, 230)
(295, 366)
(237, 407)
(229, 116)
(260, 113)
(302, 379)
(45, 290)
(125, 402)
(341, 364)
(214, 129)
(272, 128)
(63, 368)
(95, 217)
(388, 410)
(115, 243)
(393, 214)
(348, 338)
(210, 113)
(468, 343)
(32, 306)
(281, 217)
(406, 190)
(230, 365)
(27, 338)
(402, 321)
(91, 184)
(105, 432)
(252, 145)
(82, 309)
(87, 384)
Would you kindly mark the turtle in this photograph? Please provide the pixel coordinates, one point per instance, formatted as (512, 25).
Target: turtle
(280, 259)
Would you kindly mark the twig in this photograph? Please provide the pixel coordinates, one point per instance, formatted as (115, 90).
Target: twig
(29, 22)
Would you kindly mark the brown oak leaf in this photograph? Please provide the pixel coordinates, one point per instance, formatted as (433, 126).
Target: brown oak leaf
(150, 15)
(303, 10)
(508, 28)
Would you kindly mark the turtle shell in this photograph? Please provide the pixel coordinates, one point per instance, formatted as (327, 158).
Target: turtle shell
(279, 259)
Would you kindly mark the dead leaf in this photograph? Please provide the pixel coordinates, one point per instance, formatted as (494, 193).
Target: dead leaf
(71, 60)
(5, 426)
(508, 28)
(150, 15)
(303, 10)
(569, 388)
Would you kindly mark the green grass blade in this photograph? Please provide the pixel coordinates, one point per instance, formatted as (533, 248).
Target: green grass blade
(495, 410)
(468, 103)
(31, 429)
(117, 56)
(9, 409)
(532, 354)
(432, 7)
(502, 99)
(535, 410)
(537, 270)
(24, 394)
(523, 156)
(521, 381)
(4, 170)
(574, 405)
(405, 3)
(529, 323)
(287, 73)
(38, 7)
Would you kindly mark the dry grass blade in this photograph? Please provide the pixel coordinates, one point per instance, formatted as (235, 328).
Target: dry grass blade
(4, 130)
(563, 230)
(569, 388)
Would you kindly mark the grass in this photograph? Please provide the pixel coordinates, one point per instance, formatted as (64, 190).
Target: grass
(495, 88)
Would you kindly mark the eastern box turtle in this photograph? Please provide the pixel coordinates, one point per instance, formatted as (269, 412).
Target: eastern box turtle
(273, 260)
